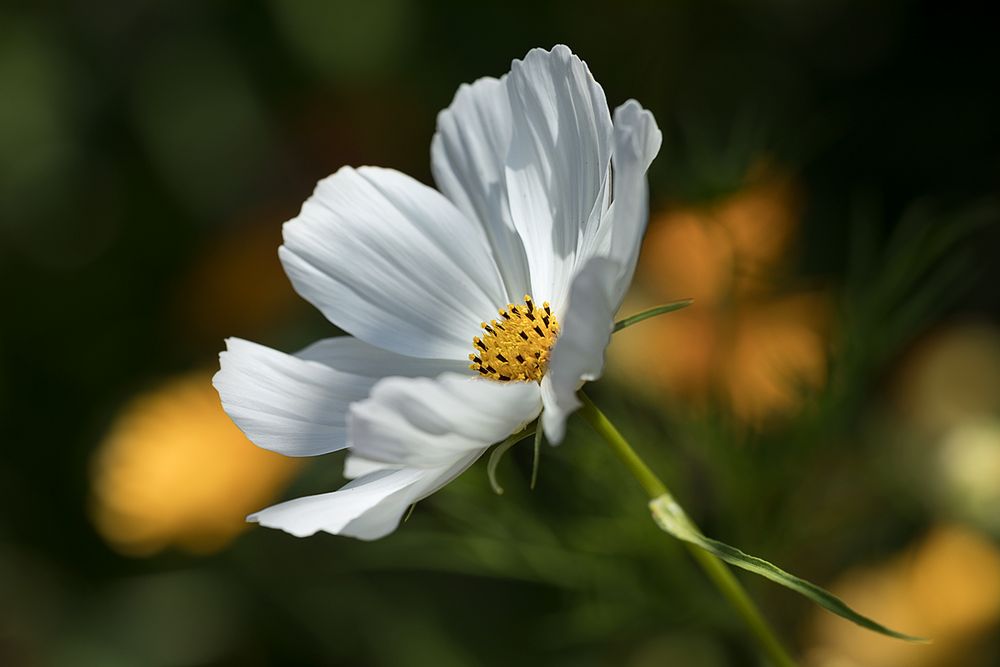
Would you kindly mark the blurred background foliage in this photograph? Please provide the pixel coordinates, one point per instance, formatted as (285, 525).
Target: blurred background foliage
(831, 402)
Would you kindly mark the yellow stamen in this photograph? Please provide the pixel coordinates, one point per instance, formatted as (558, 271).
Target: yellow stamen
(516, 347)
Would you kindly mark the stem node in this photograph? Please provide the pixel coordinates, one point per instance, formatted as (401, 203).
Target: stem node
(721, 576)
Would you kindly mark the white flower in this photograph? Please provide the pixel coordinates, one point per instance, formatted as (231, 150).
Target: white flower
(518, 263)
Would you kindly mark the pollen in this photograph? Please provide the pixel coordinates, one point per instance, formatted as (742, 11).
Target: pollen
(516, 347)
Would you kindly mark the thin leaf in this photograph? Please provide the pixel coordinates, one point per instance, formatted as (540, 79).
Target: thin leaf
(409, 512)
(499, 451)
(671, 518)
(539, 436)
(651, 312)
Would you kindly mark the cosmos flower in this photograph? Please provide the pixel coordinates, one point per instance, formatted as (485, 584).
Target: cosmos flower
(516, 264)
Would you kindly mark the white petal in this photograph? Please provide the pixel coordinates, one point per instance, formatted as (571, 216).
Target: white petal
(297, 404)
(637, 141)
(355, 466)
(427, 422)
(467, 157)
(393, 262)
(529, 156)
(367, 508)
(558, 164)
(598, 288)
(578, 355)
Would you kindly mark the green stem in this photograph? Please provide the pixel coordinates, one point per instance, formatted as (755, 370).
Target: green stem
(721, 576)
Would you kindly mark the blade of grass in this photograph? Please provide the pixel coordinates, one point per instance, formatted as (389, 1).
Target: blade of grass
(651, 312)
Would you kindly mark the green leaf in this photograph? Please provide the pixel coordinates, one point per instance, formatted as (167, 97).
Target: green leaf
(500, 450)
(651, 312)
(671, 518)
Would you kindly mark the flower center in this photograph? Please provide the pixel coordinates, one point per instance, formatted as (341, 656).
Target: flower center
(516, 347)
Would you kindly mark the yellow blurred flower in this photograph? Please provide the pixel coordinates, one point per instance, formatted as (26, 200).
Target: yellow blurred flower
(175, 471)
(778, 350)
(736, 245)
(747, 341)
(969, 483)
(947, 588)
(947, 401)
(236, 283)
(952, 376)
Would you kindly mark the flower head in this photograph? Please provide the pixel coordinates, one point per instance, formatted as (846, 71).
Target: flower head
(471, 309)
